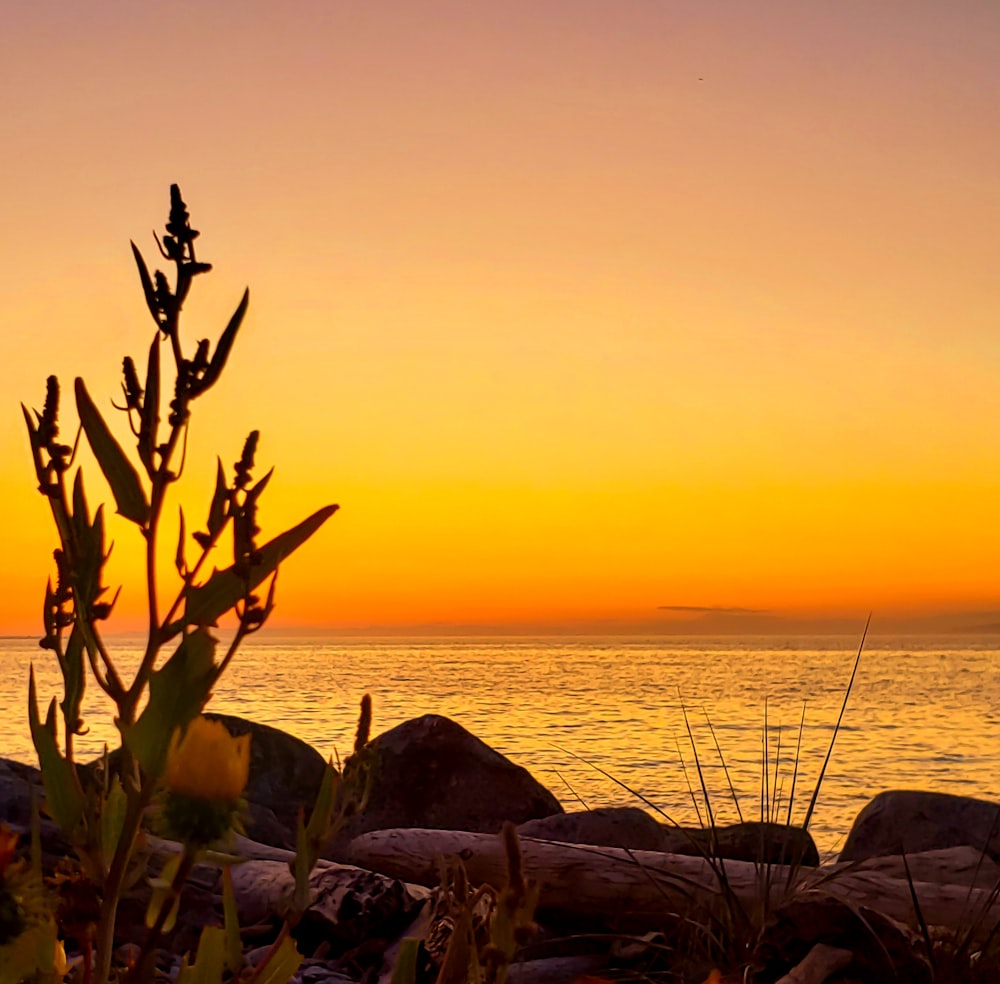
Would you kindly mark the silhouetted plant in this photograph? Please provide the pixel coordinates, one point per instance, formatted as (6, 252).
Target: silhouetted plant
(160, 743)
(474, 934)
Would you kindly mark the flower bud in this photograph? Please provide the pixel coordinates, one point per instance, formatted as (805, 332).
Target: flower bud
(207, 762)
(206, 771)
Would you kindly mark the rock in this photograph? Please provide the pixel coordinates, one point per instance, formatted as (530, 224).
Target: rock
(883, 950)
(634, 829)
(911, 821)
(620, 826)
(17, 781)
(252, 958)
(285, 774)
(766, 843)
(265, 828)
(350, 906)
(322, 973)
(430, 772)
(557, 970)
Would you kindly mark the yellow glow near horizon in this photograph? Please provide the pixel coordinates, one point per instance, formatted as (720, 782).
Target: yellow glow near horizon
(579, 310)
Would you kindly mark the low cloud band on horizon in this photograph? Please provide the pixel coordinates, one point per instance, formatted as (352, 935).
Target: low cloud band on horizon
(712, 610)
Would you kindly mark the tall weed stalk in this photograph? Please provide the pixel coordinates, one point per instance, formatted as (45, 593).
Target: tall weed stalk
(182, 660)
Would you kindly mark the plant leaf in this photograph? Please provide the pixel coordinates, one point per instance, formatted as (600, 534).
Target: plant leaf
(90, 543)
(211, 957)
(254, 494)
(206, 602)
(74, 679)
(177, 693)
(405, 971)
(48, 610)
(179, 561)
(29, 954)
(81, 515)
(161, 895)
(460, 964)
(225, 343)
(311, 837)
(36, 453)
(217, 510)
(122, 477)
(90, 564)
(113, 811)
(281, 965)
(64, 798)
(147, 285)
(150, 420)
(231, 924)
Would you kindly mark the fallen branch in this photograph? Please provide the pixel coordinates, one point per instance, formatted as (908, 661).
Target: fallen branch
(637, 888)
(820, 963)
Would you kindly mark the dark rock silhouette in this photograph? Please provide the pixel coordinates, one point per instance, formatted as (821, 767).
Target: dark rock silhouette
(910, 821)
(285, 775)
(430, 772)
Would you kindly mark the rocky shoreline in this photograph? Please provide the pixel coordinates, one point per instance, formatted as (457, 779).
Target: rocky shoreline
(609, 877)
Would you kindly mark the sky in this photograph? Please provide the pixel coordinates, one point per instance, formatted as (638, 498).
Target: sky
(587, 313)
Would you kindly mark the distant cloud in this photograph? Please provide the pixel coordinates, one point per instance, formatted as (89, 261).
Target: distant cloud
(711, 610)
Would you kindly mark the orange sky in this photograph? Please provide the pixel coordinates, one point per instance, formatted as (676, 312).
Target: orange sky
(579, 309)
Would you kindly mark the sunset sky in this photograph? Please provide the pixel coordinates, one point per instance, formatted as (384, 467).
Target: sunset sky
(586, 312)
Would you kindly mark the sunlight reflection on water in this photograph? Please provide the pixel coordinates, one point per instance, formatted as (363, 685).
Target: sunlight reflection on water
(923, 716)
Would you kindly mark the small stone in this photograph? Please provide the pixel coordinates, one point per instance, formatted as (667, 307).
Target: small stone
(254, 956)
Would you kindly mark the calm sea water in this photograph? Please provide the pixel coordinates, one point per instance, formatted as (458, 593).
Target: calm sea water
(923, 713)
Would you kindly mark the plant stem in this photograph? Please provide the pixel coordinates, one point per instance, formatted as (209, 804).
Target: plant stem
(190, 578)
(142, 675)
(138, 800)
(137, 972)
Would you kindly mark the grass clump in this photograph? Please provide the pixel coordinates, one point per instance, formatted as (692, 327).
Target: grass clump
(475, 934)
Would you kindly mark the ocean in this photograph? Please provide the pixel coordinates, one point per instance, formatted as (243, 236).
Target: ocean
(601, 721)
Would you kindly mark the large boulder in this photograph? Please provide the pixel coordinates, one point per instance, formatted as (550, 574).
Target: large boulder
(910, 821)
(17, 782)
(430, 772)
(285, 775)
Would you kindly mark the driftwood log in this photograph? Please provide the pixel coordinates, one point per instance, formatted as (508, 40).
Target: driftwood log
(637, 888)
(821, 963)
